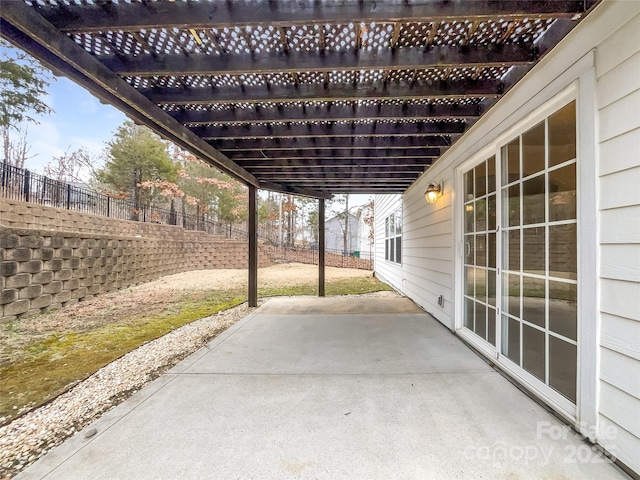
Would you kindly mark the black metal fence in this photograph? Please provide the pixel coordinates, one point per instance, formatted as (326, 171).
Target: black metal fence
(21, 184)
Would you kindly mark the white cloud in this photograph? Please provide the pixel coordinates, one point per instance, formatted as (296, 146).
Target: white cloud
(92, 145)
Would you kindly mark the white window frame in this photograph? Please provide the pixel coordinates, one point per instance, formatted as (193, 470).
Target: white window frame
(584, 413)
(390, 233)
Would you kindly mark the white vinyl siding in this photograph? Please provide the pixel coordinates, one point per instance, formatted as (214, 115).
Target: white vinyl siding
(390, 272)
(618, 103)
(599, 61)
(429, 250)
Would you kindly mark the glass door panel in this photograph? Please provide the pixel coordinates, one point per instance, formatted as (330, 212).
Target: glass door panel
(480, 224)
(539, 251)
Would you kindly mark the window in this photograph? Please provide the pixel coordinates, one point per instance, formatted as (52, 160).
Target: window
(533, 185)
(539, 251)
(393, 237)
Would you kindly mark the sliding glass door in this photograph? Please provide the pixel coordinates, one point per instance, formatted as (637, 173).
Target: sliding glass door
(537, 269)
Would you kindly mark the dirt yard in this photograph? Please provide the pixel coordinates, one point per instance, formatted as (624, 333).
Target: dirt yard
(275, 276)
(128, 306)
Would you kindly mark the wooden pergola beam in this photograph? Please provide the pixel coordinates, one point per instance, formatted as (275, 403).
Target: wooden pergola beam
(335, 179)
(321, 248)
(256, 166)
(372, 189)
(317, 163)
(322, 164)
(329, 130)
(326, 113)
(353, 187)
(331, 143)
(367, 190)
(320, 93)
(333, 188)
(253, 247)
(356, 174)
(341, 169)
(473, 56)
(342, 153)
(202, 15)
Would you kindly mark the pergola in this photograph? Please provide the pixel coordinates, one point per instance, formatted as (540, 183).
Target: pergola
(308, 97)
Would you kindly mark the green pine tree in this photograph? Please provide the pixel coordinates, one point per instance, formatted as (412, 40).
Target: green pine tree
(23, 85)
(136, 155)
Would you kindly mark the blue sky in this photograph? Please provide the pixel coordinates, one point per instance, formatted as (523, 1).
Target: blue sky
(79, 120)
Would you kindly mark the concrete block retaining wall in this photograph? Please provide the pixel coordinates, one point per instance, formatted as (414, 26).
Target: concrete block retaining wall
(50, 258)
(43, 269)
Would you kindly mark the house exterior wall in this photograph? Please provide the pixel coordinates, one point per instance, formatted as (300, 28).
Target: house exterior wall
(386, 271)
(334, 234)
(618, 135)
(598, 64)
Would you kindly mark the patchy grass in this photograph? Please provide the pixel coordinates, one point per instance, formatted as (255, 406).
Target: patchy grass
(42, 356)
(351, 286)
(48, 366)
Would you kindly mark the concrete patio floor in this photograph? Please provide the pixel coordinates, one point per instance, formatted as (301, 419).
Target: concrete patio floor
(328, 388)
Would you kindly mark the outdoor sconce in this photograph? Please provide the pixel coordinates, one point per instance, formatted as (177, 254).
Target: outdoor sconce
(434, 191)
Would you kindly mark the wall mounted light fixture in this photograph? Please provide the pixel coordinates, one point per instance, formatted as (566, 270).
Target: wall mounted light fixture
(434, 191)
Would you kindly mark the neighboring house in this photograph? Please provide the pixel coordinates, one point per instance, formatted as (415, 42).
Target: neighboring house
(357, 236)
(532, 253)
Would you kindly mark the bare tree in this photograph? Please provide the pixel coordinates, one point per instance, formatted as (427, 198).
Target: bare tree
(15, 147)
(75, 166)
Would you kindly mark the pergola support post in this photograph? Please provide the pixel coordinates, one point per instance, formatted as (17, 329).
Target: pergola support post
(321, 247)
(253, 246)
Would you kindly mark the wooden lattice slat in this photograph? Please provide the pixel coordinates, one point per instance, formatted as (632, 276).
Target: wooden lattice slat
(332, 73)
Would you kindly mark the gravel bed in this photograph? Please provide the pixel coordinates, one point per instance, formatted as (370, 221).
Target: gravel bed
(32, 435)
